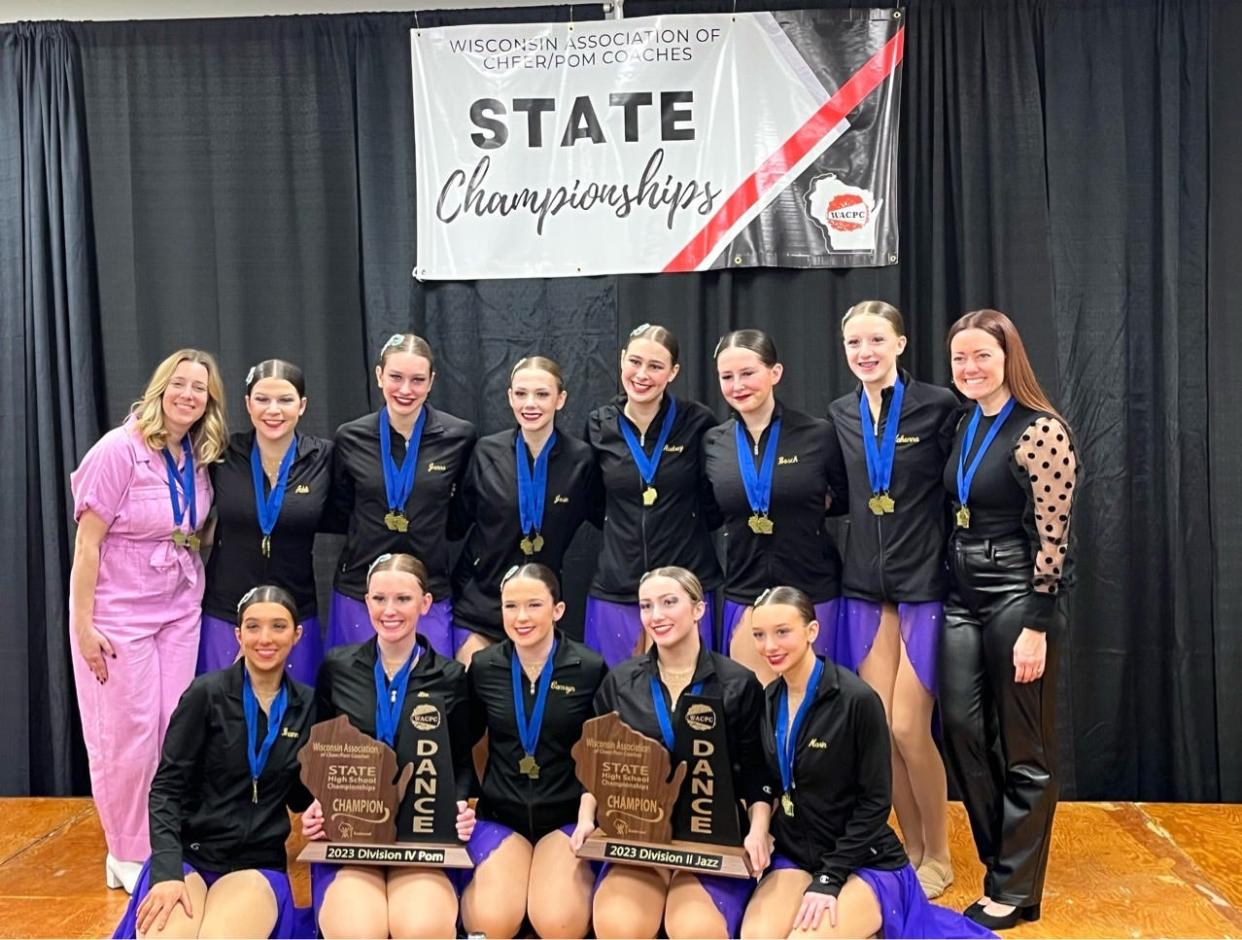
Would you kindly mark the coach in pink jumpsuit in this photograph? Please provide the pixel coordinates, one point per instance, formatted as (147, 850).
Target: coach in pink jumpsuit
(136, 588)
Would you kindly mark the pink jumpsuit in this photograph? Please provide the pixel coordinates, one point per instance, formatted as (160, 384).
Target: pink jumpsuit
(148, 604)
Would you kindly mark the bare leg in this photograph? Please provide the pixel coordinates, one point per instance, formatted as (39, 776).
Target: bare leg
(240, 904)
(494, 903)
(355, 905)
(742, 650)
(774, 904)
(421, 903)
(559, 900)
(180, 925)
(879, 670)
(690, 911)
(912, 714)
(858, 914)
(629, 902)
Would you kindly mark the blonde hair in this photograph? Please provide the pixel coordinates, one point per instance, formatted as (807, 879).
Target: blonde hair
(399, 561)
(657, 334)
(543, 364)
(209, 435)
(683, 576)
(877, 308)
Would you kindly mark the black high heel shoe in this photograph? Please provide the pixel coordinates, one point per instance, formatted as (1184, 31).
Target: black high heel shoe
(1018, 915)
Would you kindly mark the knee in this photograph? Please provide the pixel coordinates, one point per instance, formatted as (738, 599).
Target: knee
(761, 926)
(617, 917)
(492, 915)
(422, 921)
(352, 923)
(688, 924)
(559, 922)
(909, 731)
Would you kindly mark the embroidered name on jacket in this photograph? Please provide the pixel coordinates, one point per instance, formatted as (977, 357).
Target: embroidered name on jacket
(560, 499)
(567, 689)
(674, 448)
(817, 744)
(302, 489)
(786, 461)
(907, 439)
(433, 467)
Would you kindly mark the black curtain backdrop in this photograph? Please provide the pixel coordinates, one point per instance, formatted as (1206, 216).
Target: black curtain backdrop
(248, 186)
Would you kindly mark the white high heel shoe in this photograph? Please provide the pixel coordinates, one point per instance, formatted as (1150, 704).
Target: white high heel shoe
(119, 874)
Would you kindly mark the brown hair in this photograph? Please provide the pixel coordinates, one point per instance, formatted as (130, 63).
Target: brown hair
(276, 369)
(400, 562)
(267, 594)
(542, 363)
(789, 596)
(1019, 376)
(657, 334)
(877, 308)
(408, 343)
(210, 434)
(683, 576)
(757, 341)
(535, 572)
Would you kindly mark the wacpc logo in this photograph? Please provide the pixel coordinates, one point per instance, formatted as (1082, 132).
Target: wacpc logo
(846, 215)
(425, 717)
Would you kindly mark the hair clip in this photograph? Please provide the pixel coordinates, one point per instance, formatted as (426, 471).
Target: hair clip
(638, 329)
(250, 375)
(514, 569)
(382, 558)
(761, 598)
(245, 599)
(395, 340)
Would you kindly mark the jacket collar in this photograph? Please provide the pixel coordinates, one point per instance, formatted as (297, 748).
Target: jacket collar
(566, 655)
(307, 446)
(704, 667)
(430, 663)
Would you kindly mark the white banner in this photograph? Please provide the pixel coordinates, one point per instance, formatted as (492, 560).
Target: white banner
(672, 143)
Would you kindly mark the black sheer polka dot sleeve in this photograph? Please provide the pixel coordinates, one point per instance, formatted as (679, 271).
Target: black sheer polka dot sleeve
(1045, 453)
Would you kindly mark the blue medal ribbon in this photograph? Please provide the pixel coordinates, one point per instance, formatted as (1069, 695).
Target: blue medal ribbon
(182, 480)
(786, 737)
(399, 482)
(661, 710)
(275, 715)
(758, 482)
(647, 466)
(532, 488)
(389, 697)
(528, 730)
(880, 455)
(267, 506)
(966, 475)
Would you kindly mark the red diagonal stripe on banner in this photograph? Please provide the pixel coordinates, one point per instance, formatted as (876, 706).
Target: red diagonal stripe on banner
(862, 83)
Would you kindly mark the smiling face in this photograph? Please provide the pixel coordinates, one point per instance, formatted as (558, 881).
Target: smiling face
(978, 365)
(871, 349)
(405, 379)
(668, 614)
(529, 613)
(646, 369)
(274, 406)
(395, 601)
(781, 637)
(266, 636)
(535, 399)
(185, 397)
(745, 381)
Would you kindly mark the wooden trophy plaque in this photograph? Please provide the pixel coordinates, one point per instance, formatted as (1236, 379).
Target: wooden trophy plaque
(643, 816)
(371, 814)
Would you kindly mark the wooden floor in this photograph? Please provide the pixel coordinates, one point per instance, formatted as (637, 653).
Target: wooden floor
(1117, 870)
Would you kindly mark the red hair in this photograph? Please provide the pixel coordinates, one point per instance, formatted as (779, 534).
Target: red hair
(1019, 376)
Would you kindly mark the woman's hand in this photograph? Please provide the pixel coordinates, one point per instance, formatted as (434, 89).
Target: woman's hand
(155, 908)
(94, 647)
(1030, 653)
(465, 821)
(759, 850)
(312, 822)
(814, 906)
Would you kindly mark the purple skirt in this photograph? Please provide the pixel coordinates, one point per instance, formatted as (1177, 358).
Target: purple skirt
(217, 648)
(904, 907)
(730, 895)
(486, 839)
(290, 921)
(349, 622)
(826, 612)
(613, 629)
(920, 626)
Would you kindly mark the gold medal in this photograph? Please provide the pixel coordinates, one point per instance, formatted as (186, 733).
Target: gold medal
(527, 546)
(193, 542)
(649, 496)
(266, 546)
(537, 542)
(963, 517)
(760, 524)
(875, 505)
(787, 804)
(396, 522)
(178, 537)
(528, 767)
(886, 503)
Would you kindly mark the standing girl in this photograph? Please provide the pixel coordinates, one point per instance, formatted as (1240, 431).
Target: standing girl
(526, 491)
(140, 496)
(648, 445)
(895, 434)
(271, 489)
(395, 480)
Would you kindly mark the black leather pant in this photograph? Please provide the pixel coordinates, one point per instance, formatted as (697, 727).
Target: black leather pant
(1000, 737)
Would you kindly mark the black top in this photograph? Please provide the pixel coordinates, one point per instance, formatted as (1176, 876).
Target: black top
(672, 531)
(899, 556)
(799, 552)
(346, 686)
(627, 691)
(200, 803)
(490, 500)
(360, 502)
(842, 783)
(237, 562)
(532, 808)
(1024, 488)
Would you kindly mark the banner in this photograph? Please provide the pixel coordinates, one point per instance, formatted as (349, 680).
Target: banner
(659, 144)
